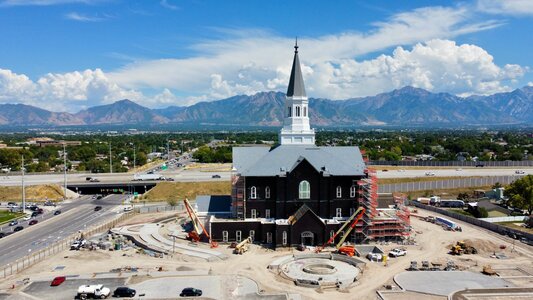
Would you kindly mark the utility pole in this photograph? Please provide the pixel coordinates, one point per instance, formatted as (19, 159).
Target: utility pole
(23, 188)
(134, 157)
(168, 151)
(65, 171)
(110, 160)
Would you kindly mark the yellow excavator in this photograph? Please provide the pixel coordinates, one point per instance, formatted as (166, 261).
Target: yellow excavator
(242, 246)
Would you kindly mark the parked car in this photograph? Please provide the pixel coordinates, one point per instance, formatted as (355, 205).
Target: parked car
(397, 252)
(374, 256)
(34, 214)
(97, 208)
(128, 208)
(40, 211)
(215, 176)
(58, 280)
(57, 212)
(99, 197)
(18, 228)
(13, 223)
(33, 222)
(124, 292)
(188, 292)
(26, 217)
(77, 244)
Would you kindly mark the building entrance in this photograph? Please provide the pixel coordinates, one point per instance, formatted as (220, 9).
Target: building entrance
(308, 238)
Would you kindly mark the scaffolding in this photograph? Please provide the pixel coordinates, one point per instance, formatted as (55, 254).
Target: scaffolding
(238, 204)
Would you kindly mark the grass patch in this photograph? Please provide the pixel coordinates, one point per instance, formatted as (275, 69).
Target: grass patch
(164, 191)
(6, 216)
(445, 193)
(34, 193)
(462, 212)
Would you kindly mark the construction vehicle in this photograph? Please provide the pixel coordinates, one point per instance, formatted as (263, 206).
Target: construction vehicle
(487, 270)
(462, 248)
(242, 246)
(194, 235)
(352, 221)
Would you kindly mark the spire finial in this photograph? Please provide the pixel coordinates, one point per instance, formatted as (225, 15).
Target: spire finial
(296, 46)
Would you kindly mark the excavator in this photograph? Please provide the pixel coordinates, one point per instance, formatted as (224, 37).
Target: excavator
(194, 235)
(352, 222)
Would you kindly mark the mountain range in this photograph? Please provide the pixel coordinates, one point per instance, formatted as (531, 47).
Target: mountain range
(407, 106)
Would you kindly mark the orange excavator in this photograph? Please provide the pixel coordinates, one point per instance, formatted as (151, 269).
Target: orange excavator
(352, 222)
(194, 235)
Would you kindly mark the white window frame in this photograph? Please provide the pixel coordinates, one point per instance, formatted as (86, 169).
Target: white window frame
(304, 193)
(253, 192)
(225, 236)
(339, 192)
(267, 192)
(353, 191)
(284, 238)
(252, 235)
(269, 237)
(338, 212)
(267, 213)
(238, 236)
(253, 213)
(297, 111)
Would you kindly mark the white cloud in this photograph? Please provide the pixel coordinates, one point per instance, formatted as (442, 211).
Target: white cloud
(506, 7)
(167, 4)
(83, 18)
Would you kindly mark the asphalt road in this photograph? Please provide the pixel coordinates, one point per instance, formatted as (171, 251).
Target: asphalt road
(453, 172)
(76, 216)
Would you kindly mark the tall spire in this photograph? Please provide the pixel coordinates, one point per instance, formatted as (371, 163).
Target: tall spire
(296, 83)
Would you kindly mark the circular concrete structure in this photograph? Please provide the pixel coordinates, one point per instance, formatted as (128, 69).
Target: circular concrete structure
(318, 270)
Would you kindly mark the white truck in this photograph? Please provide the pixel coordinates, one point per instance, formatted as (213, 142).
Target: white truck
(146, 177)
(93, 291)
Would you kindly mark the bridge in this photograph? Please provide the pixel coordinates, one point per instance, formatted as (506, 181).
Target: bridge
(112, 188)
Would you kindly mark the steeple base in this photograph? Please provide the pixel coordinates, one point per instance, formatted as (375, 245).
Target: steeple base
(297, 137)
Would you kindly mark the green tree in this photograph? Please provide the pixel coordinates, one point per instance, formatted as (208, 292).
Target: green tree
(520, 193)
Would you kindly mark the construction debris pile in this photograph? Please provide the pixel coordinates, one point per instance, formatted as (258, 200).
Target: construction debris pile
(462, 248)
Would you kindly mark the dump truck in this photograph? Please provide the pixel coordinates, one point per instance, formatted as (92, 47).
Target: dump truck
(93, 291)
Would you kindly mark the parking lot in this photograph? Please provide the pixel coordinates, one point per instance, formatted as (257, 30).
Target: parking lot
(69, 288)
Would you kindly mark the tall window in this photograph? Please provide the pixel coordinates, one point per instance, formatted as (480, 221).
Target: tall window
(238, 235)
(338, 213)
(305, 111)
(267, 213)
(297, 111)
(284, 238)
(267, 192)
(269, 237)
(253, 213)
(252, 235)
(352, 191)
(253, 192)
(290, 111)
(304, 190)
(225, 236)
(339, 192)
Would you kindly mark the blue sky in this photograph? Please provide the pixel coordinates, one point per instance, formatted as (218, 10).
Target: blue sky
(71, 54)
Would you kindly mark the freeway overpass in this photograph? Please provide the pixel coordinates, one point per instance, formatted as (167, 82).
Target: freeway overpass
(112, 188)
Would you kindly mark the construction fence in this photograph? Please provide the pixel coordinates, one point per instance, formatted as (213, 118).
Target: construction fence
(452, 163)
(446, 184)
(478, 222)
(159, 208)
(37, 256)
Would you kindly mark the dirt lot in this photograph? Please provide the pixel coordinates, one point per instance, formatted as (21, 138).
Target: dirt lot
(432, 244)
(34, 193)
(179, 190)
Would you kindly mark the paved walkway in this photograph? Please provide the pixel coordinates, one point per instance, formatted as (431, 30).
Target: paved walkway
(149, 236)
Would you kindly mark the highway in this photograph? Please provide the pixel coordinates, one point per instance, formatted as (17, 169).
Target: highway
(75, 216)
(452, 172)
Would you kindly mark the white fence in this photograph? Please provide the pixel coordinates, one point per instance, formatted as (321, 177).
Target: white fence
(504, 219)
(446, 184)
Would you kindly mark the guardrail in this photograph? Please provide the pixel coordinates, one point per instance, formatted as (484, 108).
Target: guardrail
(452, 163)
(446, 184)
(33, 258)
(478, 222)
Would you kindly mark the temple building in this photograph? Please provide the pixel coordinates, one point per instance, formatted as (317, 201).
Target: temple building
(299, 193)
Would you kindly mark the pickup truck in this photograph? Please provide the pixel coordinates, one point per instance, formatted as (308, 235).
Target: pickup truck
(93, 291)
(397, 252)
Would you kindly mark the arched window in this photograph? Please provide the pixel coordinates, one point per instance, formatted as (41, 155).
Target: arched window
(304, 190)
(290, 111)
(297, 111)
(339, 192)
(305, 111)
(284, 238)
(267, 192)
(352, 191)
(253, 192)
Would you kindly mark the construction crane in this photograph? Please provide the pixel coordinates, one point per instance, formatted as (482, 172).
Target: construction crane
(194, 235)
(242, 246)
(352, 221)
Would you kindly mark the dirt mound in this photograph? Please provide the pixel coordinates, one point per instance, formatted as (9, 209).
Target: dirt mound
(482, 246)
(34, 193)
(164, 191)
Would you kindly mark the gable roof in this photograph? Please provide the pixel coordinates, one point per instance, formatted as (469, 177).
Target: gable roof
(302, 211)
(261, 161)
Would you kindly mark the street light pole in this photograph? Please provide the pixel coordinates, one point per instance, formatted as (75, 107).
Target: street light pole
(65, 171)
(23, 188)
(110, 160)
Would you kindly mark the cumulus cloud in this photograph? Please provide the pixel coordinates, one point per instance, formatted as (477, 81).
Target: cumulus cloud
(84, 18)
(506, 7)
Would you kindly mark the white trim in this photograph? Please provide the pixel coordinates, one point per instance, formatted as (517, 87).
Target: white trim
(284, 238)
(338, 212)
(304, 190)
(353, 191)
(339, 192)
(238, 236)
(252, 235)
(267, 192)
(225, 236)
(253, 213)
(269, 237)
(253, 192)
(267, 213)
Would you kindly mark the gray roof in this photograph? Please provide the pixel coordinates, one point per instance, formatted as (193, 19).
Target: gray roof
(261, 161)
(296, 82)
(213, 203)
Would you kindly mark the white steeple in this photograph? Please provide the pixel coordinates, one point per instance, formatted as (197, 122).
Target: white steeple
(296, 129)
